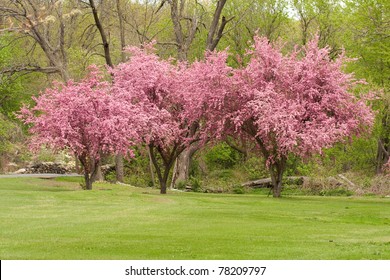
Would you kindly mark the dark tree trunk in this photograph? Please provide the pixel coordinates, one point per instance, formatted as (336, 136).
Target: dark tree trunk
(276, 183)
(168, 158)
(383, 153)
(216, 28)
(106, 45)
(119, 168)
(163, 187)
(277, 169)
(88, 181)
(86, 163)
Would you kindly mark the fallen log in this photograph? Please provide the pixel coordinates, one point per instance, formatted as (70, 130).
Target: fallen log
(267, 182)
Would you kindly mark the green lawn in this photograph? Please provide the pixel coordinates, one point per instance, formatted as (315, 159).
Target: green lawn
(54, 219)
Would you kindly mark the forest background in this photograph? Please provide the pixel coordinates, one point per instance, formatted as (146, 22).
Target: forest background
(43, 40)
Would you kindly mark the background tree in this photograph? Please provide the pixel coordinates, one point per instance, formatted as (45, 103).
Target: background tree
(368, 40)
(50, 25)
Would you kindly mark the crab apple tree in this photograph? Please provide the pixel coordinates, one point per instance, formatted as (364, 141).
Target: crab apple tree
(298, 103)
(152, 85)
(82, 117)
(175, 101)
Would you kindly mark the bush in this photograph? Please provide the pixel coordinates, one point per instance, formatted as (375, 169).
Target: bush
(195, 184)
(221, 156)
(255, 168)
(181, 184)
(238, 189)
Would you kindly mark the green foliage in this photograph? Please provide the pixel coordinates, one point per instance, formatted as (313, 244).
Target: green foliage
(296, 167)
(181, 185)
(255, 169)
(14, 89)
(195, 184)
(221, 156)
(359, 155)
(137, 172)
(6, 134)
(238, 189)
(110, 176)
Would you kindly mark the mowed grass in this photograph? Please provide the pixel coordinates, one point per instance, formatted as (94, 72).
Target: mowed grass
(54, 219)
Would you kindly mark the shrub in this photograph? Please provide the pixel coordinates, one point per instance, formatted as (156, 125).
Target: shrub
(195, 184)
(181, 184)
(221, 156)
(238, 189)
(255, 168)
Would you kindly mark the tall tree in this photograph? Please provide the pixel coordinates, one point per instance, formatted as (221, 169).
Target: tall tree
(107, 56)
(48, 24)
(368, 40)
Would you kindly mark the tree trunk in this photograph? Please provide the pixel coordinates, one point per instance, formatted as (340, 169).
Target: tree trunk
(87, 168)
(183, 164)
(182, 168)
(119, 168)
(163, 187)
(88, 181)
(121, 29)
(98, 174)
(382, 156)
(151, 170)
(277, 169)
(276, 183)
(96, 171)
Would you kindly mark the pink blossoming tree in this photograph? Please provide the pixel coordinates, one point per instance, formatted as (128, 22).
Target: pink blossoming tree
(296, 104)
(152, 85)
(84, 118)
(175, 100)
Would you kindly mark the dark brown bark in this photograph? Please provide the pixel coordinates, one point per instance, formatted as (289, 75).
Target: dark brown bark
(88, 181)
(168, 158)
(107, 55)
(242, 149)
(276, 171)
(88, 167)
